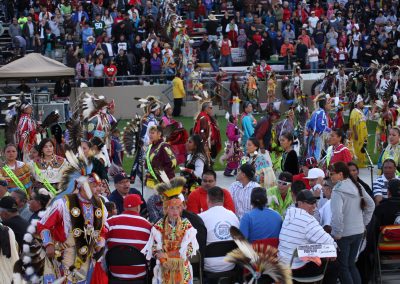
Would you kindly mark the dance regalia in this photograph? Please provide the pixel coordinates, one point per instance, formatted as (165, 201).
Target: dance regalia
(233, 151)
(159, 157)
(76, 227)
(17, 176)
(358, 122)
(177, 138)
(340, 153)
(317, 126)
(264, 172)
(26, 133)
(193, 179)
(208, 130)
(48, 175)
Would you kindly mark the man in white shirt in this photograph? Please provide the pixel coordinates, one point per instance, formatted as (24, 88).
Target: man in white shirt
(241, 189)
(218, 221)
(325, 211)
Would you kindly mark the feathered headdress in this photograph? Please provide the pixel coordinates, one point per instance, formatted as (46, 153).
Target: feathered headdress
(52, 118)
(90, 104)
(149, 104)
(259, 260)
(131, 136)
(170, 188)
(75, 134)
(78, 171)
(203, 98)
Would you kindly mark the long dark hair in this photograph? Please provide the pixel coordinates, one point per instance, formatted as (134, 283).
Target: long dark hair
(196, 138)
(341, 167)
(42, 144)
(255, 142)
(339, 132)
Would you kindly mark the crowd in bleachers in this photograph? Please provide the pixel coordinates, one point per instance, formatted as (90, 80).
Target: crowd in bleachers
(103, 39)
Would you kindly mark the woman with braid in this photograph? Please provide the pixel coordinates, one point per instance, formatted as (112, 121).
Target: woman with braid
(352, 210)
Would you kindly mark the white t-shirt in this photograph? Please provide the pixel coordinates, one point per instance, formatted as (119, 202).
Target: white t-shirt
(313, 54)
(325, 214)
(218, 221)
(313, 21)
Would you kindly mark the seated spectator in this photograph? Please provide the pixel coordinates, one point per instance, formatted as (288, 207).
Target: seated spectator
(295, 189)
(300, 228)
(280, 197)
(10, 218)
(252, 224)
(388, 211)
(122, 189)
(380, 185)
(128, 228)
(241, 189)
(62, 89)
(197, 200)
(217, 220)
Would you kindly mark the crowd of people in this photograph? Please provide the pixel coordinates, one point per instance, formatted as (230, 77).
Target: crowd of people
(67, 205)
(103, 40)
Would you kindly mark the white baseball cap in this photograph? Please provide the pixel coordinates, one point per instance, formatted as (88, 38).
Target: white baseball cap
(315, 173)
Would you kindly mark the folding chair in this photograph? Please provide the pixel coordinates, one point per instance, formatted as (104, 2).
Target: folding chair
(124, 256)
(220, 249)
(311, 279)
(388, 253)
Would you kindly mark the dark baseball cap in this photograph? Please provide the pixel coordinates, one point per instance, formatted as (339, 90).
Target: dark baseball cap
(286, 176)
(306, 196)
(120, 176)
(8, 203)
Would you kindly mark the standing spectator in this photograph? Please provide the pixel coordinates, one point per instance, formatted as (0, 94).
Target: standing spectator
(108, 21)
(82, 71)
(110, 70)
(98, 26)
(354, 53)
(78, 15)
(14, 29)
(211, 27)
(122, 190)
(155, 66)
(305, 38)
(287, 52)
(312, 21)
(289, 33)
(289, 162)
(28, 31)
(225, 52)
(325, 212)
(49, 43)
(367, 55)
(204, 45)
(122, 64)
(319, 37)
(252, 224)
(98, 73)
(352, 210)
(332, 37)
(341, 53)
(301, 53)
(217, 219)
(62, 89)
(197, 199)
(128, 228)
(19, 44)
(241, 189)
(179, 93)
(214, 55)
(380, 185)
(312, 55)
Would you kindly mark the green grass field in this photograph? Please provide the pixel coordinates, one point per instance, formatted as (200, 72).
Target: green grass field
(188, 123)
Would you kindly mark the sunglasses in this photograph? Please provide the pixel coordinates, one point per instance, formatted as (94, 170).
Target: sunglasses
(281, 182)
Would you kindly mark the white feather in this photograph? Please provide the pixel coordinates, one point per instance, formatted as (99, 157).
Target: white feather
(81, 155)
(197, 97)
(25, 248)
(31, 229)
(26, 259)
(29, 271)
(83, 85)
(247, 250)
(17, 278)
(84, 181)
(227, 115)
(28, 238)
(205, 93)
(143, 101)
(72, 159)
(164, 177)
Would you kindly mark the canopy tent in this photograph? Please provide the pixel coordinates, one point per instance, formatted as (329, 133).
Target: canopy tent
(35, 65)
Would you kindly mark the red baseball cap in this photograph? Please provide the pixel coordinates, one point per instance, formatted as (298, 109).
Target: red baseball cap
(132, 200)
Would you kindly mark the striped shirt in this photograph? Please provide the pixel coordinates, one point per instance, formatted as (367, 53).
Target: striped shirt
(380, 186)
(299, 228)
(241, 196)
(130, 229)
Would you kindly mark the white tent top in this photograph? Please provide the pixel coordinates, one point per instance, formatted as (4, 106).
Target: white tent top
(35, 65)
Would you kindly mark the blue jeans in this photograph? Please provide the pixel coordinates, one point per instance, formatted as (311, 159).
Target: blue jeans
(226, 61)
(348, 250)
(214, 65)
(203, 56)
(314, 66)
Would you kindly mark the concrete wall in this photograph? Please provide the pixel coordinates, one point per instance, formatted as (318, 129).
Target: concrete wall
(126, 104)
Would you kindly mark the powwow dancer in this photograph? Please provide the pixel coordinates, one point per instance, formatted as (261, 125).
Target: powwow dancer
(173, 238)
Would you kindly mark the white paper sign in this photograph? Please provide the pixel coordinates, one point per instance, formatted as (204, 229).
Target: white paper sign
(316, 250)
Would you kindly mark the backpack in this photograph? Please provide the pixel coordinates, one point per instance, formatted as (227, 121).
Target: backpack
(225, 49)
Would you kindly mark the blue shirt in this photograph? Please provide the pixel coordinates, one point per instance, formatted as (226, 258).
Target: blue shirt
(253, 224)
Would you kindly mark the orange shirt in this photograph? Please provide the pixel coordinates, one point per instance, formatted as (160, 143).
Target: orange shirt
(285, 48)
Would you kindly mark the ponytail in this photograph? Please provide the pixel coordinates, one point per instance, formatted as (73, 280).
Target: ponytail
(362, 202)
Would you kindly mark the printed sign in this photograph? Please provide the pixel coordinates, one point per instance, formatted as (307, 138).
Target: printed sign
(316, 250)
